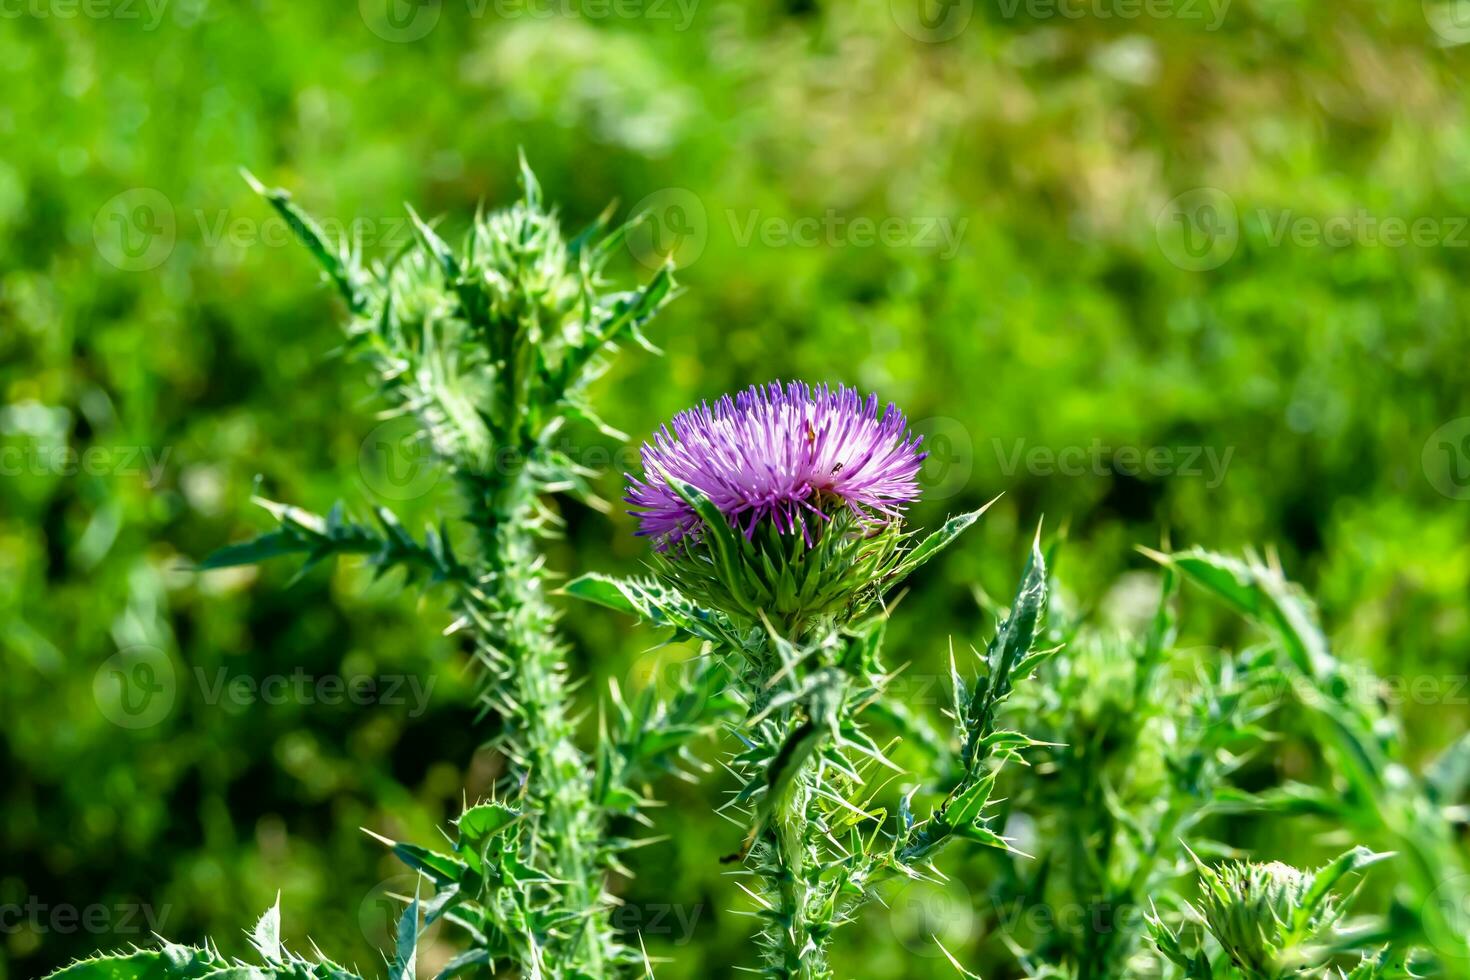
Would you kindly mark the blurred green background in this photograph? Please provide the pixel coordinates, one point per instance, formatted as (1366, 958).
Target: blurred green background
(1193, 268)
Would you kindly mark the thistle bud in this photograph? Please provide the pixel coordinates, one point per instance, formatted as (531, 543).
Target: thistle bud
(1277, 921)
(1249, 908)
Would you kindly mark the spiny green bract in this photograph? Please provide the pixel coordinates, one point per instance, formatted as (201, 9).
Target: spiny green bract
(781, 578)
(1265, 917)
(1272, 922)
(794, 585)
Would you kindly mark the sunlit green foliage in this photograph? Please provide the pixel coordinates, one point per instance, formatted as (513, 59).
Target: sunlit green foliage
(1056, 321)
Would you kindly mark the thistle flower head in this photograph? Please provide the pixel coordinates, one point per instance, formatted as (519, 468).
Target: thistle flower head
(790, 457)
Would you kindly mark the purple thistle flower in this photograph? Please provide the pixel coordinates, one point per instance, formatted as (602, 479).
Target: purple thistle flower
(778, 454)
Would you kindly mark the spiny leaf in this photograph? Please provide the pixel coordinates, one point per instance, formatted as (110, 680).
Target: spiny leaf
(936, 542)
(485, 820)
(405, 949)
(266, 936)
(650, 601)
(343, 274)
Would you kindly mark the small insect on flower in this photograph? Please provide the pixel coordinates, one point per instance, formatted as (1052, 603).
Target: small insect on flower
(792, 456)
(801, 491)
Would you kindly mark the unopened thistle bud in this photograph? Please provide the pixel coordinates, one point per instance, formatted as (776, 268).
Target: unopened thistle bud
(1276, 921)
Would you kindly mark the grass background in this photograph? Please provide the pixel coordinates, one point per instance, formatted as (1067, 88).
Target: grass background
(1068, 316)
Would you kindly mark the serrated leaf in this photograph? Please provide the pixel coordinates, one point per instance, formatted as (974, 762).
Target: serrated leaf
(648, 600)
(405, 948)
(968, 802)
(142, 964)
(441, 869)
(935, 542)
(273, 544)
(266, 936)
(485, 820)
(305, 228)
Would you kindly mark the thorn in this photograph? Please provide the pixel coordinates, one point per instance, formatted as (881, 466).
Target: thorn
(1153, 555)
(979, 513)
(255, 184)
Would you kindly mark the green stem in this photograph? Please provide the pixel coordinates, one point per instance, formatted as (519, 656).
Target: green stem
(542, 734)
(799, 954)
(801, 928)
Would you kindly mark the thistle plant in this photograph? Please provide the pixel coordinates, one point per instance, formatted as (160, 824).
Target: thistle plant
(1270, 921)
(490, 350)
(777, 524)
(776, 519)
(1141, 738)
(1372, 792)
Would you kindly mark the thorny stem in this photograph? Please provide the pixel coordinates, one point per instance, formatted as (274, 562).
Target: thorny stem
(491, 348)
(790, 833)
(797, 935)
(554, 769)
